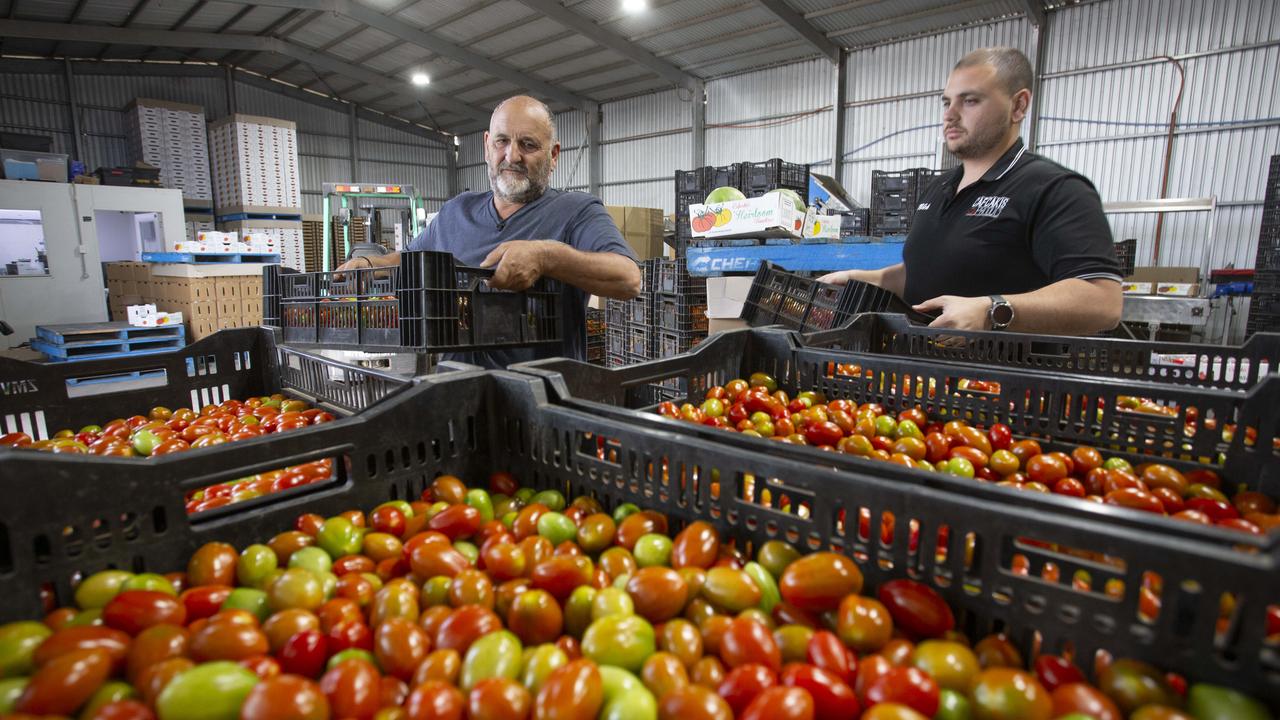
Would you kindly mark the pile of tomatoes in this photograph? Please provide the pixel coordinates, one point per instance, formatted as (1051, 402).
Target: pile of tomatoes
(163, 431)
(510, 604)
(758, 408)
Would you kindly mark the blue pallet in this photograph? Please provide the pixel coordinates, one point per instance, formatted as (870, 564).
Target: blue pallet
(211, 258)
(64, 353)
(106, 333)
(233, 217)
(715, 261)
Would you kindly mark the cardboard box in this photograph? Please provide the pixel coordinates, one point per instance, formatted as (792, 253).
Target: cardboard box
(640, 227)
(228, 308)
(715, 325)
(1178, 289)
(769, 216)
(250, 287)
(1136, 288)
(118, 271)
(229, 323)
(200, 329)
(251, 310)
(190, 290)
(821, 226)
(726, 296)
(227, 288)
(1165, 274)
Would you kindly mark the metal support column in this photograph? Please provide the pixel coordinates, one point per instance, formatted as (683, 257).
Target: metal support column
(699, 143)
(1038, 33)
(595, 167)
(354, 135)
(451, 163)
(76, 139)
(837, 119)
(231, 90)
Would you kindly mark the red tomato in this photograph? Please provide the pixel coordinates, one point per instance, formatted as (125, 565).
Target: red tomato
(435, 700)
(63, 684)
(780, 703)
(498, 698)
(400, 646)
(456, 521)
(205, 601)
(69, 639)
(818, 582)
(744, 683)
(353, 689)
(136, 610)
(833, 699)
(917, 609)
(287, 697)
(304, 654)
(1135, 499)
(464, 626)
(1080, 697)
(693, 702)
(907, 686)
(1055, 671)
(826, 651)
(570, 692)
(747, 641)
(123, 710)
(1001, 436)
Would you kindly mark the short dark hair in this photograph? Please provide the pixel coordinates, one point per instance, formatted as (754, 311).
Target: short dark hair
(1012, 67)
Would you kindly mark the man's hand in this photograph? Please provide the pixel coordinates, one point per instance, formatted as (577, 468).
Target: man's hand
(359, 262)
(961, 313)
(844, 276)
(519, 264)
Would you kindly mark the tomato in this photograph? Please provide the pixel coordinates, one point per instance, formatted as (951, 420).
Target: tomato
(731, 589)
(435, 700)
(442, 665)
(535, 617)
(18, 643)
(1212, 702)
(1008, 694)
(560, 574)
(1080, 697)
(122, 710)
(708, 672)
(780, 703)
(304, 653)
(863, 623)
(1135, 499)
(65, 683)
(353, 689)
(1132, 684)
(742, 684)
(135, 610)
(153, 645)
(1024, 450)
(951, 664)
(693, 702)
(907, 686)
(287, 697)
(820, 581)
(832, 697)
(747, 641)
(680, 638)
(663, 672)
(224, 638)
(892, 711)
(1055, 671)
(695, 546)
(400, 646)
(624, 641)
(659, 593)
(69, 639)
(211, 690)
(1157, 475)
(496, 654)
(916, 608)
(571, 692)
(498, 698)
(997, 651)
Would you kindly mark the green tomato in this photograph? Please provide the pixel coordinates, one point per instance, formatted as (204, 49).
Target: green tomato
(621, 581)
(769, 593)
(611, 601)
(908, 428)
(18, 643)
(1213, 702)
(621, 512)
(270, 402)
(638, 704)
(509, 519)
(405, 508)
(436, 508)
(539, 663)
(256, 563)
(313, 559)
(212, 691)
(252, 600)
(1117, 463)
(108, 692)
(497, 654)
(468, 550)
(577, 610)
(525, 494)
(712, 407)
(351, 654)
(10, 690)
(615, 681)
(149, 581)
(86, 618)
(652, 549)
(296, 588)
(776, 555)
(886, 425)
(954, 706)
(556, 527)
(553, 499)
(960, 467)
(766, 428)
(926, 466)
(763, 380)
(479, 499)
(338, 537)
(435, 591)
(97, 590)
(145, 442)
(624, 641)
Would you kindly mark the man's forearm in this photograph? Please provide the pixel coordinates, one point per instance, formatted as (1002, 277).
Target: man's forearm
(1068, 307)
(602, 273)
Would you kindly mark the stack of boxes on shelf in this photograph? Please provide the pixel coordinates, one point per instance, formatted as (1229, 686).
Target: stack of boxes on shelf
(1264, 305)
(894, 197)
(753, 179)
(171, 136)
(257, 183)
(208, 302)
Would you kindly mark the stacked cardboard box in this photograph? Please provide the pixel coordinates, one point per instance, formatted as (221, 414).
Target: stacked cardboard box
(171, 136)
(207, 304)
(286, 234)
(313, 242)
(255, 165)
(197, 224)
(641, 228)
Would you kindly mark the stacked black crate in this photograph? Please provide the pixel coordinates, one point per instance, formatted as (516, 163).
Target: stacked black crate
(692, 188)
(596, 336)
(776, 174)
(680, 318)
(893, 200)
(1264, 305)
(630, 336)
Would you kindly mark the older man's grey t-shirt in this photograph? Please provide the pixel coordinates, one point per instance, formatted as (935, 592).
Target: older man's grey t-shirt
(468, 226)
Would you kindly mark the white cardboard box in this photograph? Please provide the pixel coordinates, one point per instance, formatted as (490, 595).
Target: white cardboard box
(726, 296)
(821, 226)
(771, 215)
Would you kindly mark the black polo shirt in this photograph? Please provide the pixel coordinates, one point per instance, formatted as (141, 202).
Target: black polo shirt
(1027, 223)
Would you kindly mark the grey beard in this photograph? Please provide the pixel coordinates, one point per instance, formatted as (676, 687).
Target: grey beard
(533, 189)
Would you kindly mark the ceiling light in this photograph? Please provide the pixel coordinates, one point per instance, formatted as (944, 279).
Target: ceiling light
(420, 78)
(634, 6)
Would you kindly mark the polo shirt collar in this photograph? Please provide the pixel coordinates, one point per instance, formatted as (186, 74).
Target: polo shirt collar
(1006, 162)
(492, 211)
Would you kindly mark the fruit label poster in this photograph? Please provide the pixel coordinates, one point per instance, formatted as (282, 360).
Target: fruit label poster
(769, 216)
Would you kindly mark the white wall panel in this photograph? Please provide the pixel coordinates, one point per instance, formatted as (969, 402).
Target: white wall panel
(734, 105)
(644, 114)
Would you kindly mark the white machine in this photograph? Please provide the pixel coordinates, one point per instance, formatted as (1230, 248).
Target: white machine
(57, 235)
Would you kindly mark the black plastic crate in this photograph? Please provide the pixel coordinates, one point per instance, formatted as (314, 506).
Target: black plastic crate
(638, 341)
(893, 202)
(906, 182)
(683, 201)
(673, 277)
(1126, 254)
(428, 302)
(761, 177)
(615, 312)
(890, 223)
(639, 310)
(854, 223)
(1266, 282)
(470, 424)
(778, 297)
(925, 180)
(707, 178)
(1268, 257)
(670, 343)
(1264, 308)
(682, 313)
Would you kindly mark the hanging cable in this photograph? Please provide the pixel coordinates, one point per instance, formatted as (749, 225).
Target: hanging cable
(1168, 155)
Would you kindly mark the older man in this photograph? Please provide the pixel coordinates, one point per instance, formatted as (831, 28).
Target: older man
(526, 230)
(1010, 240)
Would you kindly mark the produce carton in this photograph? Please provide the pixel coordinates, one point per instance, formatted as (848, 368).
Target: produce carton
(1177, 289)
(1136, 288)
(769, 216)
(821, 226)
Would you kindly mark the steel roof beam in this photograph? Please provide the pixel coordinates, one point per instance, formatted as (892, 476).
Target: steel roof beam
(406, 32)
(809, 33)
(1035, 12)
(226, 41)
(619, 44)
(965, 5)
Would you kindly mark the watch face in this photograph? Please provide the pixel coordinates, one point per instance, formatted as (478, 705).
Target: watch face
(1002, 314)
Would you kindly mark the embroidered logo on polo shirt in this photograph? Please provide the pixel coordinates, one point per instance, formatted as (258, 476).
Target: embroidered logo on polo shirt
(922, 206)
(988, 206)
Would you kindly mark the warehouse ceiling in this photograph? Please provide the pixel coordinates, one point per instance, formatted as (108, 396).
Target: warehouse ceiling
(571, 54)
